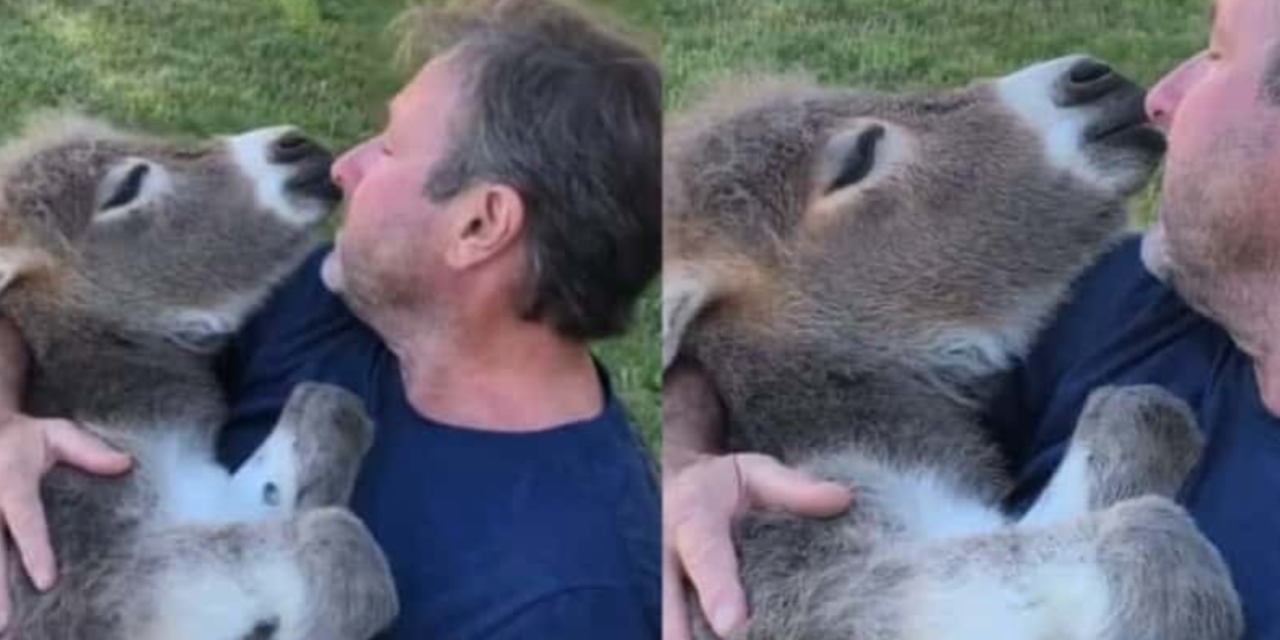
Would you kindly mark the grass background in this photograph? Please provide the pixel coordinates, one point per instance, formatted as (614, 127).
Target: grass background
(892, 44)
(203, 67)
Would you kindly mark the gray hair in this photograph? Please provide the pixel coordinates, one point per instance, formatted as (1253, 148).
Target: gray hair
(569, 114)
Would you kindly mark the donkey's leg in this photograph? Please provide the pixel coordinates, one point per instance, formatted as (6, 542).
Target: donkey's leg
(315, 576)
(1138, 570)
(1129, 441)
(313, 455)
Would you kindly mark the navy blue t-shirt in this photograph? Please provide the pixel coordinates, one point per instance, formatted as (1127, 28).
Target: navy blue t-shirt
(552, 534)
(1125, 327)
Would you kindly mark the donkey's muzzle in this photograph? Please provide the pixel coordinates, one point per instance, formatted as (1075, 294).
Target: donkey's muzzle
(311, 163)
(296, 148)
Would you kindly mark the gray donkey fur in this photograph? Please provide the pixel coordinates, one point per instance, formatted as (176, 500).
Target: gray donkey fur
(853, 270)
(126, 261)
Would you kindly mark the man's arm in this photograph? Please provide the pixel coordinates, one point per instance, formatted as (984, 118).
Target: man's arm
(693, 421)
(703, 491)
(29, 447)
(277, 337)
(13, 367)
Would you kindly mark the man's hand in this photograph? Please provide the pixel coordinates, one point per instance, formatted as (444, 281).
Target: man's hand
(29, 448)
(700, 502)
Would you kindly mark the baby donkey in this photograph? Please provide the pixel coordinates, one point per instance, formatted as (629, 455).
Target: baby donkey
(127, 261)
(852, 270)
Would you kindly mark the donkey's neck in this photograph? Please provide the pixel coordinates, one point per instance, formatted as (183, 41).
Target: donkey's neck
(797, 399)
(94, 373)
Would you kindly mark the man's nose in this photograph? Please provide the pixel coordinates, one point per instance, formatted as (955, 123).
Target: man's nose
(1164, 98)
(1160, 106)
(348, 170)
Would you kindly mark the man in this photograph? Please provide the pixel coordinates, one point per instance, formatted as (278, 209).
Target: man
(1193, 307)
(508, 214)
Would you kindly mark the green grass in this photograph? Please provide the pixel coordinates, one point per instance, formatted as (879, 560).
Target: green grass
(200, 67)
(892, 44)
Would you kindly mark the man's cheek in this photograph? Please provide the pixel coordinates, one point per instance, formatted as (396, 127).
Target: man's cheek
(1185, 136)
(1190, 145)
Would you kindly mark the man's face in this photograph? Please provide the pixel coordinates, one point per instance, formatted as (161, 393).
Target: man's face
(389, 250)
(1220, 208)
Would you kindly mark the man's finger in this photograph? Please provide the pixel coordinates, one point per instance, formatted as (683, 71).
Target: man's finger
(675, 613)
(768, 484)
(5, 605)
(25, 515)
(78, 448)
(705, 550)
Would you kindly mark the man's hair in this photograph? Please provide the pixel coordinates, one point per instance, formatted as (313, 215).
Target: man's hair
(569, 114)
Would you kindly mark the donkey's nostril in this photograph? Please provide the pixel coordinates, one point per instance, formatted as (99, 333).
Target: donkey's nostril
(293, 147)
(291, 141)
(1088, 71)
(1088, 81)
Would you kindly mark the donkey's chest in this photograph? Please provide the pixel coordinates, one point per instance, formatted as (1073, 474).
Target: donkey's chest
(909, 503)
(184, 481)
(929, 505)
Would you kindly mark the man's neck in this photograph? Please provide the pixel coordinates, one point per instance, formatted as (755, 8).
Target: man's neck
(1267, 371)
(517, 377)
(1247, 306)
(1258, 335)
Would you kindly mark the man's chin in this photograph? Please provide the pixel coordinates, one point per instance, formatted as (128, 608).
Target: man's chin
(1155, 252)
(331, 273)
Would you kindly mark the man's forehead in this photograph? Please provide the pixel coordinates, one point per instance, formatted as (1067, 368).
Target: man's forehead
(1217, 8)
(434, 82)
(420, 115)
(1235, 14)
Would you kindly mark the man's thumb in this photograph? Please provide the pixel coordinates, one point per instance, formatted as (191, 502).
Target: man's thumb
(768, 484)
(76, 447)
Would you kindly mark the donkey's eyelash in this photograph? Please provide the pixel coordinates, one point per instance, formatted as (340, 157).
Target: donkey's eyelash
(858, 164)
(129, 188)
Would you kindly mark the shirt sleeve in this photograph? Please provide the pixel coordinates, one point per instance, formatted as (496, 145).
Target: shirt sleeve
(582, 614)
(1098, 302)
(293, 312)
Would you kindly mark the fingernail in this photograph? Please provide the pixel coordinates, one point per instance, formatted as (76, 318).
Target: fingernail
(44, 580)
(725, 618)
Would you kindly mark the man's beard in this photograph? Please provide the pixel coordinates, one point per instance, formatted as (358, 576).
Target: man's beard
(1214, 258)
(375, 296)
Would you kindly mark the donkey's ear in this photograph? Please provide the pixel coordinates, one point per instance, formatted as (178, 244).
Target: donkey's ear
(16, 262)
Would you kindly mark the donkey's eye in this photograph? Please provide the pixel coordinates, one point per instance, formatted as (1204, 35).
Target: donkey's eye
(193, 153)
(128, 188)
(856, 158)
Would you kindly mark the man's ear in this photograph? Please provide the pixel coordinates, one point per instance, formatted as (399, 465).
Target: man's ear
(16, 262)
(490, 219)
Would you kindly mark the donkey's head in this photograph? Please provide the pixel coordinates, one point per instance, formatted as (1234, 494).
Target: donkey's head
(149, 236)
(942, 225)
